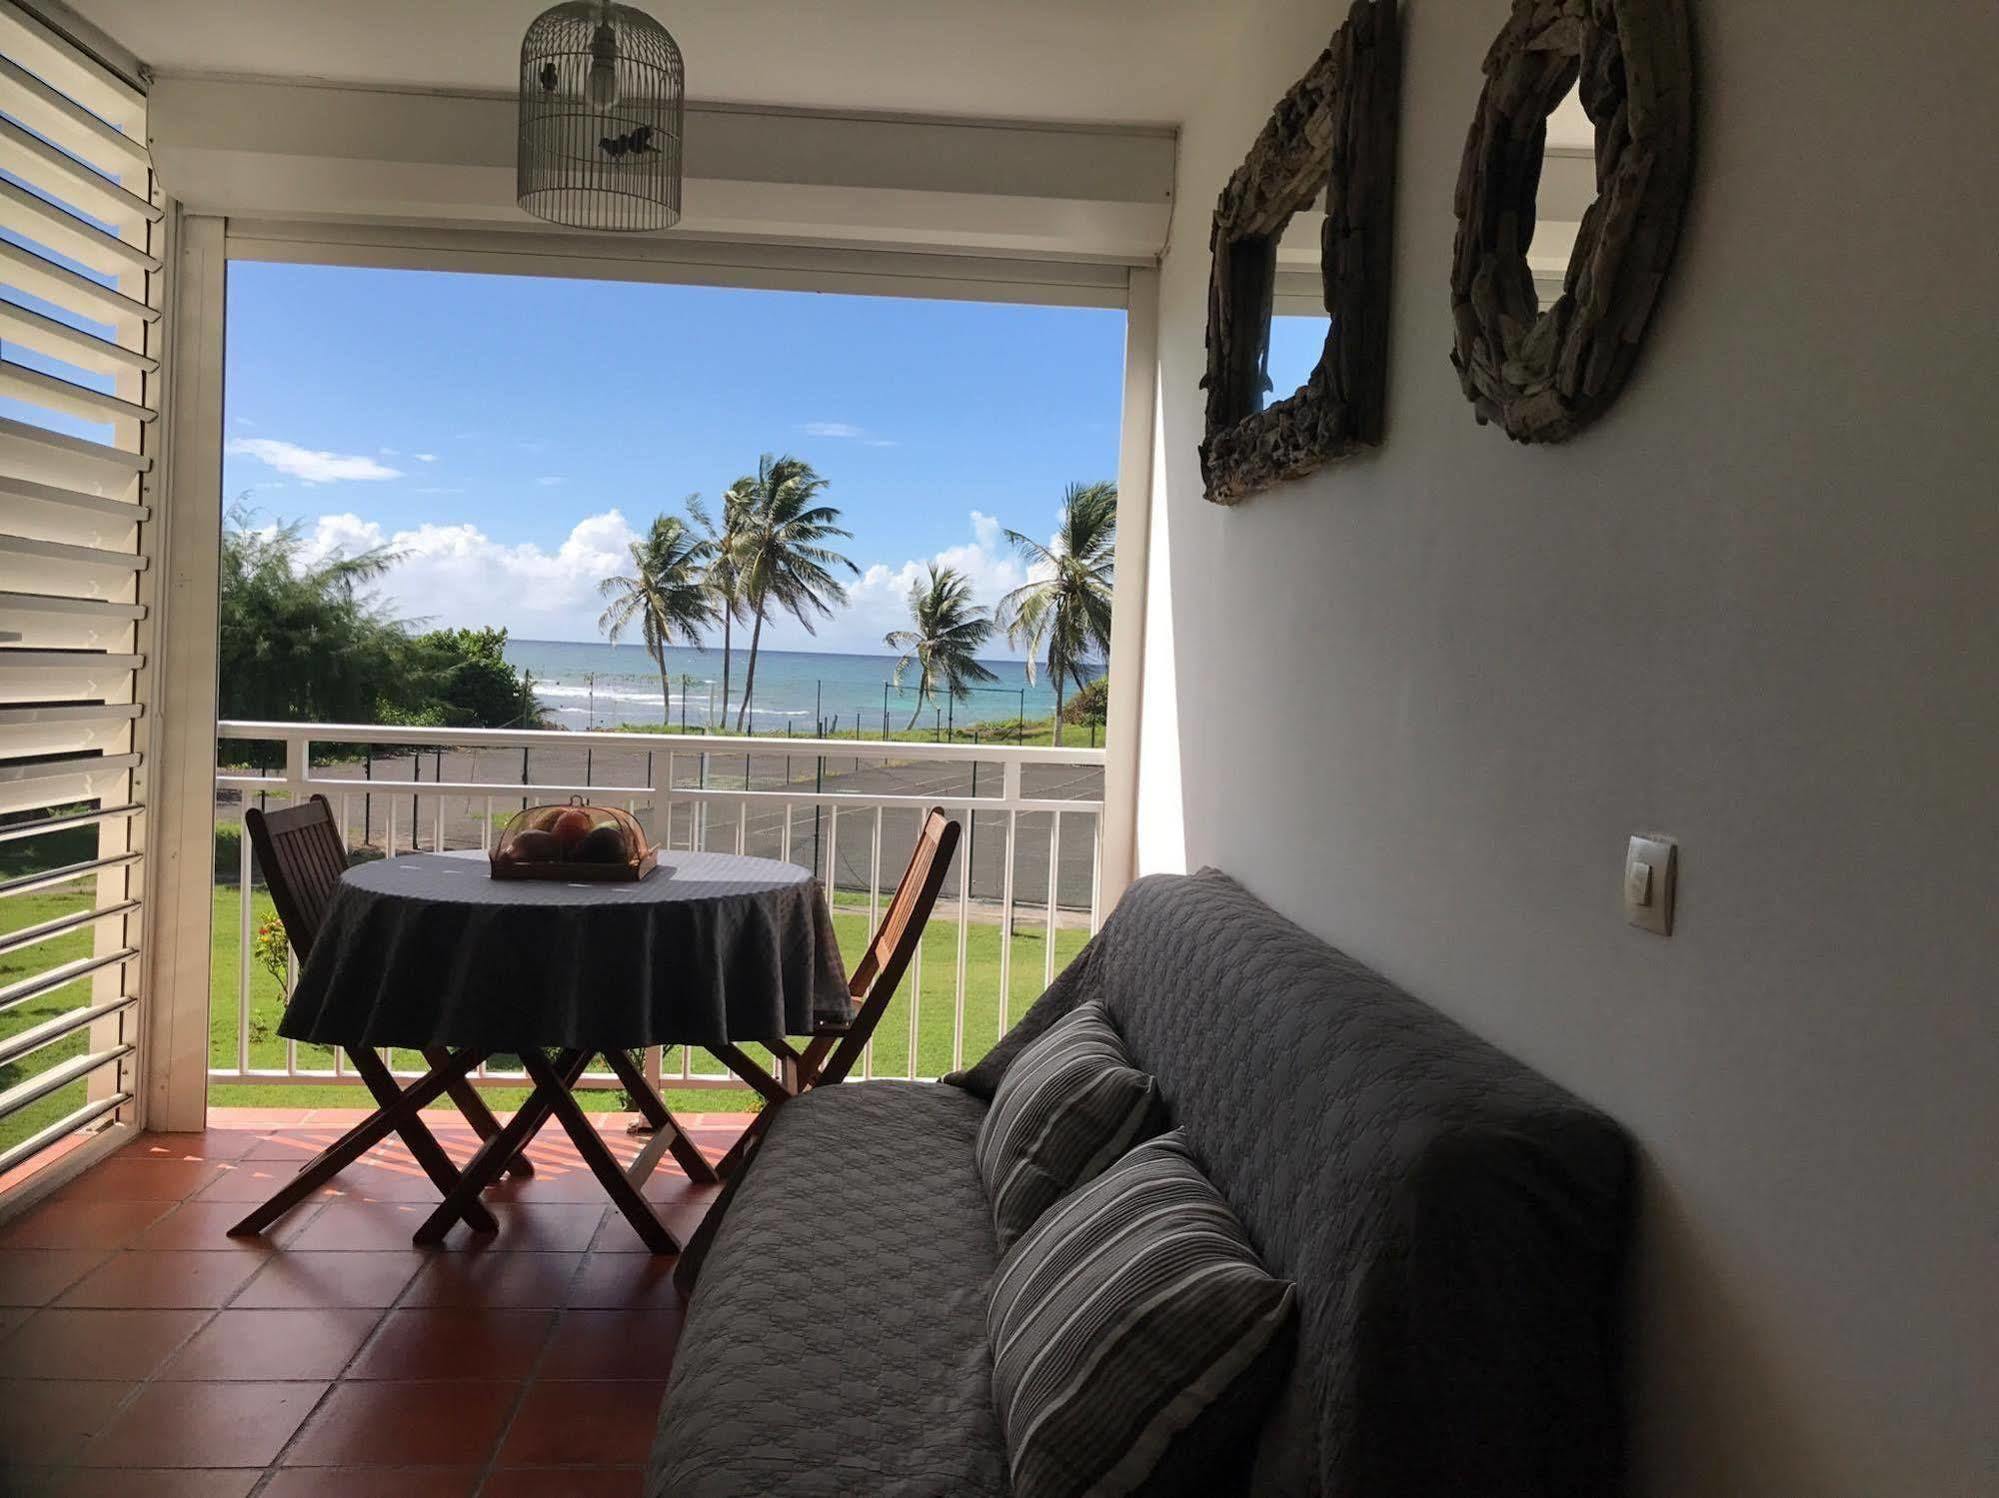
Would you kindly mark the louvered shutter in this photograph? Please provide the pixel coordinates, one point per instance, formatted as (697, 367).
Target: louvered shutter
(80, 272)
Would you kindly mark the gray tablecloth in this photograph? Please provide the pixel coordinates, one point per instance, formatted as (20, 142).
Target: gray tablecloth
(429, 949)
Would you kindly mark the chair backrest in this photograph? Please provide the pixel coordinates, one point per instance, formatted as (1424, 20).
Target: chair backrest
(874, 979)
(302, 854)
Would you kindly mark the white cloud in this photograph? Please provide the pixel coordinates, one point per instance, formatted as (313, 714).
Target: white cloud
(845, 431)
(424, 457)
(458, 576)
(308, 464)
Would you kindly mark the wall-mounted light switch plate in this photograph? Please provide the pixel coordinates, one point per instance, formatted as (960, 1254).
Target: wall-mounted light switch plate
(1650, 872)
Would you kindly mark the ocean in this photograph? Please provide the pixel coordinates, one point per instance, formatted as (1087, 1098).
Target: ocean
(587, 684)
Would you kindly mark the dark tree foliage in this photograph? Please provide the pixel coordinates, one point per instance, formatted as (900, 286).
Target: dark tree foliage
(304, 642)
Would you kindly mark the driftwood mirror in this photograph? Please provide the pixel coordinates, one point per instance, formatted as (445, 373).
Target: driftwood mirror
(1332, 137)
(1543, 373)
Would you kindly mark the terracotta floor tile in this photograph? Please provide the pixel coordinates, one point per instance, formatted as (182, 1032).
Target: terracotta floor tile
(253, 1181)
(625, 1281)
(618, 1344)
(44, 1421)
(210, 1144)
(618, 1236)
(372, 1482)
(452, 1424)
(124, 1345)
(81, 1224)
(537, 1227)
(168, 1278)
(35, 1276)
(398, 1182)
(550, 1184)
(204, 1425)
(32, 1482)
(364, 1224)
(11, 1318)
(205, 1225)
(495, 1279)
(431, 1342)
(583, 1423)
(127, 1178)
(564, 1482)
(269, 1345)
(161, 1482)
(296, 1280)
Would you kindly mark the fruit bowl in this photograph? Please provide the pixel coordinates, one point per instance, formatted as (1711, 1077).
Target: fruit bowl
(573, 842)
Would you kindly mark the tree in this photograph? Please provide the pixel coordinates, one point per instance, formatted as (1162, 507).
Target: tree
(1064, 614)
(779, 556)
(666, 595)
(724, 585)
(465, 676)
(299, 642)
(949, 630)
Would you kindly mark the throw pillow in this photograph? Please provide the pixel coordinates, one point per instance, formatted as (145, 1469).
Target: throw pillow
(1136, 1339)
(1070, 1104)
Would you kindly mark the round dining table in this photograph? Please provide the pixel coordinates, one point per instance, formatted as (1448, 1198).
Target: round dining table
(429, 952)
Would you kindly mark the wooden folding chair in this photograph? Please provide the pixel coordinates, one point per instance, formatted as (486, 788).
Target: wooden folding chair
(833, 1049)
(301, 852)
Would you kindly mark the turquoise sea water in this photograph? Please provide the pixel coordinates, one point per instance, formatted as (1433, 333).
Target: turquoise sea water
(585, 684)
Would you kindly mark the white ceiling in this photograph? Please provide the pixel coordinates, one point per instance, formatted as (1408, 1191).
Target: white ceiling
(1092, 61)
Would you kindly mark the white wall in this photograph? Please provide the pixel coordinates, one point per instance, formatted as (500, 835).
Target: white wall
(1418, 702)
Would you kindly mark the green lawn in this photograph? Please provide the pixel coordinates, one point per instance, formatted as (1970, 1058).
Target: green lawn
(927, 990)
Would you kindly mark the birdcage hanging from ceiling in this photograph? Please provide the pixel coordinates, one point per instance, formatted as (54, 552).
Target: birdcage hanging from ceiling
(601, 120)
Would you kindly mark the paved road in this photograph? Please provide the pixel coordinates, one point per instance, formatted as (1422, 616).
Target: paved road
(393, 790)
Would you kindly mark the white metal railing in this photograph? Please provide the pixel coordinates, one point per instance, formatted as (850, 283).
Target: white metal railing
(748, 795)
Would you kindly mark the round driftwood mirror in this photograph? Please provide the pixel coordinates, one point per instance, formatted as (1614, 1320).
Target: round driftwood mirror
(1543, 373)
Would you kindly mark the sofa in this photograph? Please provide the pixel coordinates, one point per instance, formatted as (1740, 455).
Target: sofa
(1456, 1226)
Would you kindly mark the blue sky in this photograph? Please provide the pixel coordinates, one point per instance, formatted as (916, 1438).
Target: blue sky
(507, 431)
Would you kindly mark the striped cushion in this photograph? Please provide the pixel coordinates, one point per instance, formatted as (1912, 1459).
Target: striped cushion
(1070, 1105)
(1133, 1331)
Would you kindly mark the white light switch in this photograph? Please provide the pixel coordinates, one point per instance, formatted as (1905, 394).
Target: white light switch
(1650, 872)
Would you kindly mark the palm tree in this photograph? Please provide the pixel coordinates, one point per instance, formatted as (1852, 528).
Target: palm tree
(1065, 614)
(724, 583)
(780, 557)
(949, 628)
(665, 595)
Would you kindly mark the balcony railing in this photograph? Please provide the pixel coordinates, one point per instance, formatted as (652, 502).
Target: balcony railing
(1022, 896)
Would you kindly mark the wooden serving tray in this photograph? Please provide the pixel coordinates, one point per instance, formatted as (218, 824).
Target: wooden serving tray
(583, 873)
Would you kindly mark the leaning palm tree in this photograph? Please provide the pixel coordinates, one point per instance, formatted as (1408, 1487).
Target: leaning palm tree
(949, 628)
(723, 580)
(1064, 615)
(780, 557)
(666, 596)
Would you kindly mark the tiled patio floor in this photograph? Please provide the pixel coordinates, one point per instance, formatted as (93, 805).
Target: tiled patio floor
(144, 1353)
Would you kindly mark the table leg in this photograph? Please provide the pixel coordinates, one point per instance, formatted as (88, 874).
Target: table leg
(422, 1144)
(485, 1166)
(468, 1102)
(774, 1092)
(603, 1164)
(355, 1143)
(654, 1110)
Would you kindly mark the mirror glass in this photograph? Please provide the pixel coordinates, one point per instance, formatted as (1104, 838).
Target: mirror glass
(1568, 187)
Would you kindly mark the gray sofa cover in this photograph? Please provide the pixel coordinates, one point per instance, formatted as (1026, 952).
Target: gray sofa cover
(1456, 1225)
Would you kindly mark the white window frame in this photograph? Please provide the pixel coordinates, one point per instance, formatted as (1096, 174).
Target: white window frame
(177, 1086)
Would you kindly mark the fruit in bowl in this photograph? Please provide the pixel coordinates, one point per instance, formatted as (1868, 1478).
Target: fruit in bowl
(604, 843)
(571, 828)
(535, 846)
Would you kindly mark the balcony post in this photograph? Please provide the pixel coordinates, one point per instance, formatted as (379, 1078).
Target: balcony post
(180, 798)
